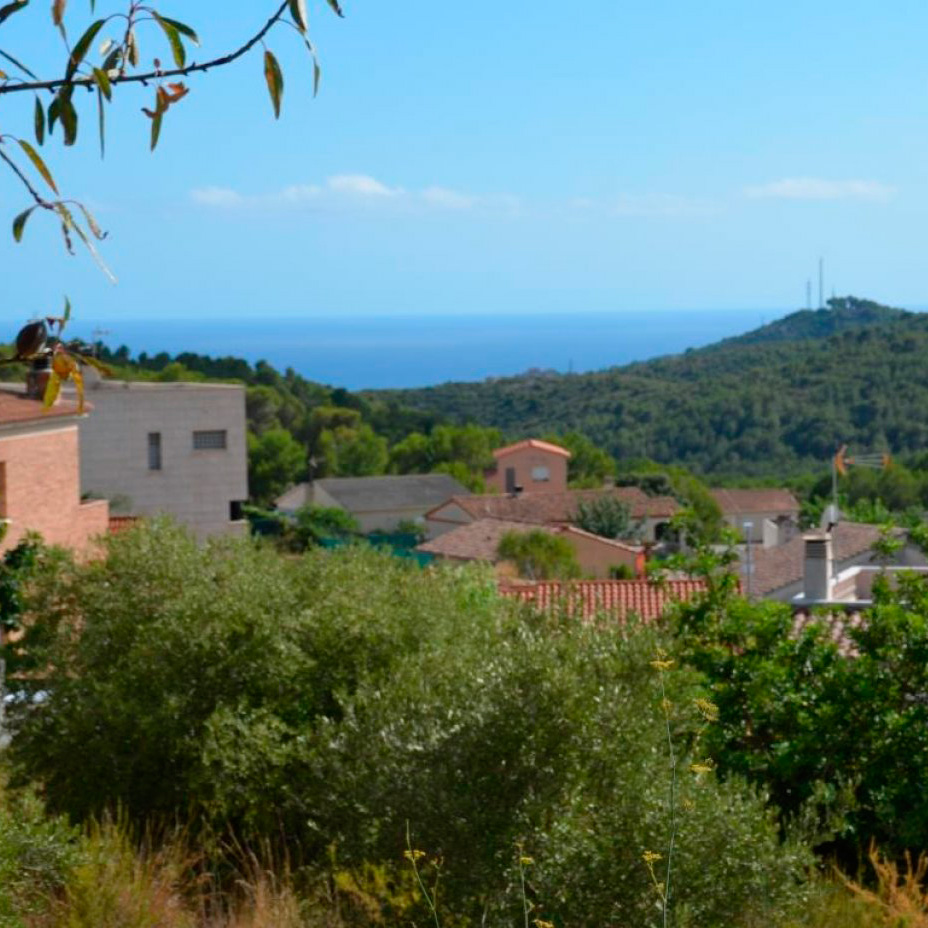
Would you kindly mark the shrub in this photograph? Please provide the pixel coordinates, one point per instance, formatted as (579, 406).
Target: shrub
(329, 700)
(36, 857)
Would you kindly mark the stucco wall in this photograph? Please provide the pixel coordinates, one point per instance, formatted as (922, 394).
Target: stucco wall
(195, 486)
(41, 490)
(523, 460)
(596, 557)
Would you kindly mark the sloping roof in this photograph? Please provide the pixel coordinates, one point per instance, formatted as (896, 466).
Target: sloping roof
(548, 508)
(16, 408)
(294, 498)
(383, 494)
(734, 502)
(615, 598)
(535, 443)
(476, 541)
(785, 564)
(479, 541)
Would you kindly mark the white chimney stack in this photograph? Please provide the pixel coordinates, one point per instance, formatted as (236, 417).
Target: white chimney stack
(818, 567)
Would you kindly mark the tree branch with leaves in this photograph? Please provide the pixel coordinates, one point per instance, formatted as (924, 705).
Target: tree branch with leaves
(101, 71)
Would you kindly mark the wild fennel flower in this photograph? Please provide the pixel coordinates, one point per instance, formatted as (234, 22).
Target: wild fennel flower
(413, 855)
(525, 861)
(701, 767)
(707, 709)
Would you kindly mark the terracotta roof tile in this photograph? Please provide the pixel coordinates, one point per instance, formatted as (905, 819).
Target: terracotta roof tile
(119, 524)
(614, 598)
(479, 541)
(734, 502)
(552, 508)
(535, 443)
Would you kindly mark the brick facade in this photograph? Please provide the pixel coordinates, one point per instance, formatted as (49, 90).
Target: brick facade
(40, 479)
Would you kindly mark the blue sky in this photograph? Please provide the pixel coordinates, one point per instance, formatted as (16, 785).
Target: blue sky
(501, 158)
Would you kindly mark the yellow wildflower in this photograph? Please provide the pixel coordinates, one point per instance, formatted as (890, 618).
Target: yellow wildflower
(660, 664)
(525, 861)
(687, 805)
(413, 855)
(701, 767)
(541, 923)
(708, 710)
(651, 857)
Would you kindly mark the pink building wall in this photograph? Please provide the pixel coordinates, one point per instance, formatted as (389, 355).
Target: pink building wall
(40, 489)
(527, 463)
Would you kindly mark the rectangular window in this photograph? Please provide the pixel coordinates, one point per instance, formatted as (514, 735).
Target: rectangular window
(236, 513)
(154, 451)
(540, 474)
(211, 440)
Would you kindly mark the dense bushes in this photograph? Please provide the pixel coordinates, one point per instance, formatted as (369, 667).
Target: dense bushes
(802, 718)
(325, 702)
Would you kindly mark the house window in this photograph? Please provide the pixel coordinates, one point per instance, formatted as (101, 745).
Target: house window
(154, 451)
(236, 513)
(540, 474)
(211, 440)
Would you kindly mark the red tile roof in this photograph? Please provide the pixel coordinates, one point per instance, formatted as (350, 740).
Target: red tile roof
(535, 443)
(614, 598)
(17, 408)
(735, 502)
(552, 508)
(479, 541)
(785, 564)
(119, 524)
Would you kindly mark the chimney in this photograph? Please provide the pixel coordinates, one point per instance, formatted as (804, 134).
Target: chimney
(37, 378)
(818, 567)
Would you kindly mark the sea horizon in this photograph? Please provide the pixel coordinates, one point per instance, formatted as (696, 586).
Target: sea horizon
(404, 351)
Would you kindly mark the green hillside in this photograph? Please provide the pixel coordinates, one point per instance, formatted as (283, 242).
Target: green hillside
(778, 400)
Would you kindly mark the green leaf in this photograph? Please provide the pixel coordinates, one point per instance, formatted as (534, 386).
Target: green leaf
(81, 47)
(11, 8)
(54, 114)
(183, 29)
(101, 123)
(40, 165)
(68, 117)
(173, 36)
(317, 71)
(103, 82)
(299, 14)
(19, 223)
(275, 81)
(156, 127)
(67, 310)
(336, 7)
(39, 121)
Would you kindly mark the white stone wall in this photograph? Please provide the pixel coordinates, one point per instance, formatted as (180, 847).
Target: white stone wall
(194, 486)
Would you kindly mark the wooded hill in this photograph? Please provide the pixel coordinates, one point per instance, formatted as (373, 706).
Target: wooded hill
(776, 401)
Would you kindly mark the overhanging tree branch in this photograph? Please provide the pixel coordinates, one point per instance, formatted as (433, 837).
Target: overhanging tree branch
(192, 68)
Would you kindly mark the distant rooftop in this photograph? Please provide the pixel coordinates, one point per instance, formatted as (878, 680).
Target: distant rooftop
(615, 599)
(534, 443)
(378, 494)
(16, 408)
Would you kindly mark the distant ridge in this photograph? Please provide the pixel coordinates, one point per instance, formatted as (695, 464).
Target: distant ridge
(842, 313)
(777, 400)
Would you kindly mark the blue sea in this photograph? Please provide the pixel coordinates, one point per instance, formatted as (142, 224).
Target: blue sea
(414, 351)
